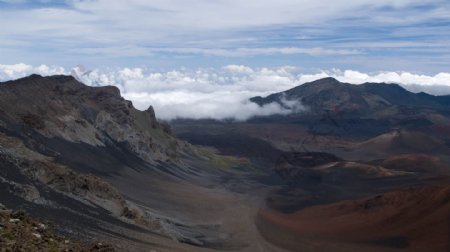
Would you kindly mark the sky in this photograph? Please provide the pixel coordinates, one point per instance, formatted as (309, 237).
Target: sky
(175, 53)
(364, 35)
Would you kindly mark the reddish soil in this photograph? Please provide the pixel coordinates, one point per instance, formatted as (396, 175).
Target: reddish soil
(416, 219)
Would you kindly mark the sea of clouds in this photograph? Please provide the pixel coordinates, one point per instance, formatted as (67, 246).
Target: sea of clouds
(219, 93)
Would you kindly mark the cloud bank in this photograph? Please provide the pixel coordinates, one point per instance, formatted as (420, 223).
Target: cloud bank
(15, 71)
(220, 93)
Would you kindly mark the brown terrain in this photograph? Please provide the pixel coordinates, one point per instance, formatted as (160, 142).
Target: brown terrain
(414, 219)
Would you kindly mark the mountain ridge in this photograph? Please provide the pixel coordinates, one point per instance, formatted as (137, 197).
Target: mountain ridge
(64, 107)
(331, 94)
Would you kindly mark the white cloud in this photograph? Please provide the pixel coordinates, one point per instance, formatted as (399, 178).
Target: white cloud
(15, 71)
(197, 105)
(203, 93)
(438, 84)
(223, 92)
(405, 78)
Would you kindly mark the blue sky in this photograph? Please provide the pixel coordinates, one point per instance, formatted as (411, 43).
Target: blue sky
(364, 35)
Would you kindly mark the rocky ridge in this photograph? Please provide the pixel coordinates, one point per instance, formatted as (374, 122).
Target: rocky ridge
(62, 107)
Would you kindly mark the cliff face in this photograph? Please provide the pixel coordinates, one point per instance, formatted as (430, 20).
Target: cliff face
(61, 107)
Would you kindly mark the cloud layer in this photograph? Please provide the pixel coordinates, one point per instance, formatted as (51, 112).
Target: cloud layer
(15, 71)
(220, 93)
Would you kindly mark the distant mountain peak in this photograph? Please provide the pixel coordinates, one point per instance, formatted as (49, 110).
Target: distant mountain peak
(325, 80)
(329, 94)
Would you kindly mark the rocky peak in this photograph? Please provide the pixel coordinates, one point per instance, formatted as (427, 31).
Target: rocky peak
(151, 112)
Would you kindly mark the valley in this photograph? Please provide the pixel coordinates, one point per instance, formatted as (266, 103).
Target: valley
(357, 168)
